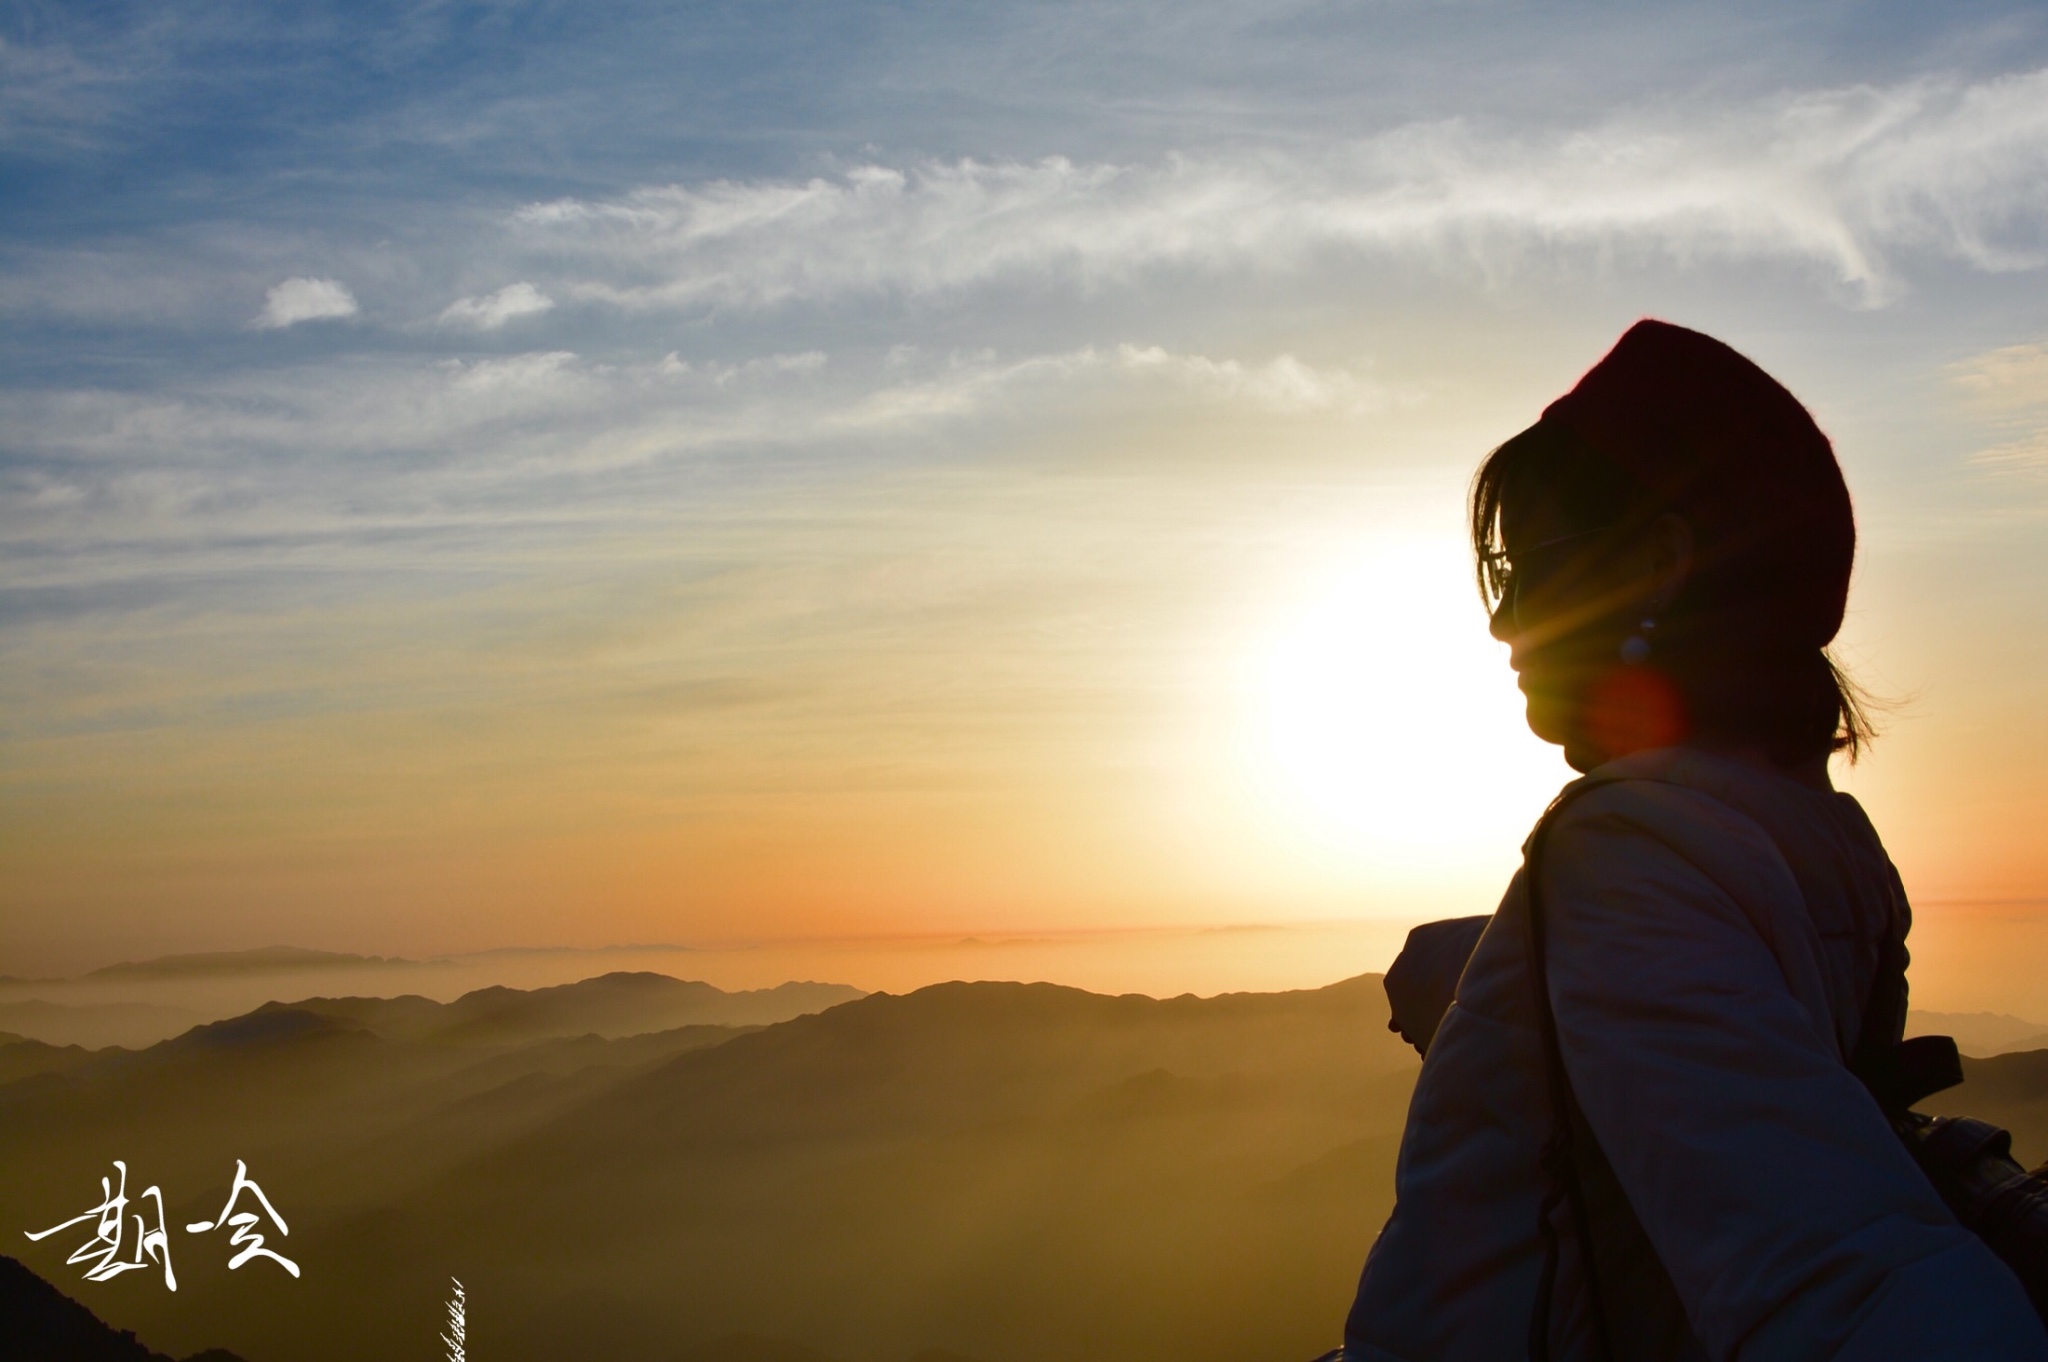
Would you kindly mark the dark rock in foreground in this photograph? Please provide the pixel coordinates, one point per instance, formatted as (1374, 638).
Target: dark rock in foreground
(39, 1323)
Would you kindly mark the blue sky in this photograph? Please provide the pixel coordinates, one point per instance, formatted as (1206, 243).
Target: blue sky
(706, 438)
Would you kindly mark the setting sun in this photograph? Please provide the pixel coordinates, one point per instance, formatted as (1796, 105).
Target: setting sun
(1386, 724)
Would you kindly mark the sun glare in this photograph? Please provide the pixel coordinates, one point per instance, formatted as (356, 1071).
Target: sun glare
(1386, 726)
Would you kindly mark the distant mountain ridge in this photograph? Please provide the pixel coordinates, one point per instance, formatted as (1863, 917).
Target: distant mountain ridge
(1063, 1171)
(284, 959)
(1009, 1172)
(261, 960)
(1982, 1034)
(21, 1057)
(622, 1003)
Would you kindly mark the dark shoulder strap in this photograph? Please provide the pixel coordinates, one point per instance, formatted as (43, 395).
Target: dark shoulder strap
(1559, 1159)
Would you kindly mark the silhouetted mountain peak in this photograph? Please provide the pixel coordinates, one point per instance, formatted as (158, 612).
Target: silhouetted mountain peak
(267, 1026)
(961, 1053)
(397, 1018)
(622, 1003)
(21, 1057)
(620, 986)
(1043, 1008)
(637, 981)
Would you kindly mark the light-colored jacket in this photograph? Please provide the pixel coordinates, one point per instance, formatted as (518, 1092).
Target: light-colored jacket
(1749, 1201)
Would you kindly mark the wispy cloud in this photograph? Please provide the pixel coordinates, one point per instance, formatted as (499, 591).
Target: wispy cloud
(305, 300)
(964, 385)
(490, 311)
(1856, 185)
(2009, 379)
(2007, 391)
(530, 377)
(1841, 180)
(42, 83)
(1283, 385)
(276, 455)
(250, 491)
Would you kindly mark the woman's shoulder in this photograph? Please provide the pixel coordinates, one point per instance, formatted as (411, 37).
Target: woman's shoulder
(1665, 806)
(1681, 840)
(1680, 826)
(1729, 820)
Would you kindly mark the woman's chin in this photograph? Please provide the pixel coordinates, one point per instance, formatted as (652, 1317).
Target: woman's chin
(1547, 718)
(1582, 757)
(1556, 723)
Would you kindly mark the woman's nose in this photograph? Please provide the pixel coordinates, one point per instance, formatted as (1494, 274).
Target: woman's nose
(1502, 623)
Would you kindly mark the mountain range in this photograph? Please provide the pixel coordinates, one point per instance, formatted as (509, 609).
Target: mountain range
(994, 1172)
(610, 1005)
(1002, 1171)
(1982, 1034)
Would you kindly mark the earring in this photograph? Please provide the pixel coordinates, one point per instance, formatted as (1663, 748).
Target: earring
(1635, 649)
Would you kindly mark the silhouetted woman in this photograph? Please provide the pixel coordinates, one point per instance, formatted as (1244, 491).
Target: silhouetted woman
(1669, 550)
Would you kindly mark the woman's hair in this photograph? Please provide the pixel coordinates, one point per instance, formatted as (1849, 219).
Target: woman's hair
(1716, 643)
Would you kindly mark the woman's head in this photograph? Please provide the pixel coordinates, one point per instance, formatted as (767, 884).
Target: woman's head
(1668, 549)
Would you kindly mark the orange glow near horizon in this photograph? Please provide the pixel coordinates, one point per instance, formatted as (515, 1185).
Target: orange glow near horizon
(1140, 684)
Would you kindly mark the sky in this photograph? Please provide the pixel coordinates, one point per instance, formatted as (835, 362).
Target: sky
(510, 475)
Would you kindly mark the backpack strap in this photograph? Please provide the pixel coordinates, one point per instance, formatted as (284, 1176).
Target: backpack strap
(1558, 1158)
